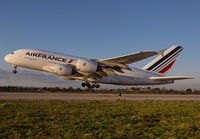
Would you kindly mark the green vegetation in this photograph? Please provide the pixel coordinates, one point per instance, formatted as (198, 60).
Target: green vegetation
(132, 90)
(99, 119)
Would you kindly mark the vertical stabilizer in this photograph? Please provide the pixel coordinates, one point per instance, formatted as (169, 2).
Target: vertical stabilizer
(164, 62)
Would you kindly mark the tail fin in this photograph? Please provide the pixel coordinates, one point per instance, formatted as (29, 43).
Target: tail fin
(163, 63)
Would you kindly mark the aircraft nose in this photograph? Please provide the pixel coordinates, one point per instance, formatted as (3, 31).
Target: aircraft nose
(7, 58)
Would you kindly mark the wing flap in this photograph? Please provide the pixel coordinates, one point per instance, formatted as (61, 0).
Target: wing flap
(170, 78)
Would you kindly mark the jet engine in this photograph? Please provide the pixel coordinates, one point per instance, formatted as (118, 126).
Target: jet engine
(63, 70)
(87, 66)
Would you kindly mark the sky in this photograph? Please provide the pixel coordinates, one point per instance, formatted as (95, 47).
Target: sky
(99, 29)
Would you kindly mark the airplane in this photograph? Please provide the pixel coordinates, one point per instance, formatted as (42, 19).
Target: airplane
(114, 70)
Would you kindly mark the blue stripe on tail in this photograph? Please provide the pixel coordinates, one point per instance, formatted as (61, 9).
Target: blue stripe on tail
(173, 56)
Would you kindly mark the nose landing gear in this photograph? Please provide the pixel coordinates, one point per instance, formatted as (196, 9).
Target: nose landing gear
(94, 85)
(15, 70)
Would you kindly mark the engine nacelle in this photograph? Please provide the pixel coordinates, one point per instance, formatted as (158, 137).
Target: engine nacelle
(63, 70)
(85, 65)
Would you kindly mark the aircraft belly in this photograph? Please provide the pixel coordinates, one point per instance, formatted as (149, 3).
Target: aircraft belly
(121, 80)
(128, 80)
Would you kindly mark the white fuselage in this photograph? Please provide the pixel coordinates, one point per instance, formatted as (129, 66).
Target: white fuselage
(41, 60)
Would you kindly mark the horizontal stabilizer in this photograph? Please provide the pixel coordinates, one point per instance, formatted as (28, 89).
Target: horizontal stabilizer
(170, 78)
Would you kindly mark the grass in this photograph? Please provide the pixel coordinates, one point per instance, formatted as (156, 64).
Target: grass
(98, 119)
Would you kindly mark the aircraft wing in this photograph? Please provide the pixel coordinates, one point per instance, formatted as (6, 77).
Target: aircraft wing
(110, 65)
(170, 78)
(130, 58)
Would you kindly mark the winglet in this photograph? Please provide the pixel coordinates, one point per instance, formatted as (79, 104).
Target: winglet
(161, 52)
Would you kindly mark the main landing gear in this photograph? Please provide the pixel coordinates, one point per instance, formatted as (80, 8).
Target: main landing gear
(94, 85)
(15, 70)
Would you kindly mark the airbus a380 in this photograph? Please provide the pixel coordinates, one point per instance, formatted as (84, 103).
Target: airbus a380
(114, 70)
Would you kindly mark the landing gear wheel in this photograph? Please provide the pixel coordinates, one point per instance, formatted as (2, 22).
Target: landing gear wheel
(97, 86)
(83, 84)
(15, 69)
(94, 85)
(14, 72)
(88, 85)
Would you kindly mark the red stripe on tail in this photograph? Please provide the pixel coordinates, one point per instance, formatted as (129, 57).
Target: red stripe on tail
(167, 67)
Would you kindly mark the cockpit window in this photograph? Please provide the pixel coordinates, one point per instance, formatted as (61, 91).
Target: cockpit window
(12, 53)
